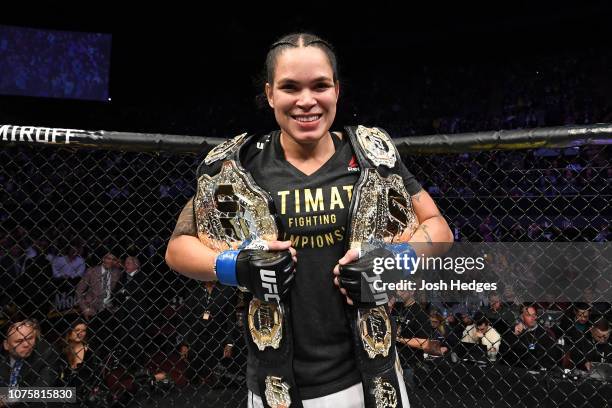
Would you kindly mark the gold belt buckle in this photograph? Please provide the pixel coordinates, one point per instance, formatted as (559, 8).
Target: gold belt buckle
(375, 329)
(277, 392)
(265, 323)
(384, 394)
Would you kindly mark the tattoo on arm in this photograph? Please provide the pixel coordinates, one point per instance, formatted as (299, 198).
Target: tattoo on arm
(186, 222)
(417, 197)
(424, 228)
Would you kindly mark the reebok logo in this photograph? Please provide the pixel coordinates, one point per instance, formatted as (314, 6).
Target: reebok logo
(353, 166)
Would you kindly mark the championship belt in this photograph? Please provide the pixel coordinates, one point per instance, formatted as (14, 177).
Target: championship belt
(233, 212)
(381, 211)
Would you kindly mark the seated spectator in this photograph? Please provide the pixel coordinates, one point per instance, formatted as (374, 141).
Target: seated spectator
(595, 300)
(27, 360)
(510, 299)
(71, 265)
(501, 316)
(439, 331)
(79, 366)
(576, 327)
(465, 318)
(481, 332)
(594, 346)
(528, 344)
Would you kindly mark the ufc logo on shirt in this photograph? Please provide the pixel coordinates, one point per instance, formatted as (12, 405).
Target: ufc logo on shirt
(268, 279)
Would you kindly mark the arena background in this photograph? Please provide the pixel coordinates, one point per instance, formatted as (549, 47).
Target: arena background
(416, 71)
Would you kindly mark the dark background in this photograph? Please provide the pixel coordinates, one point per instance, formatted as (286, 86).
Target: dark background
(183, 70)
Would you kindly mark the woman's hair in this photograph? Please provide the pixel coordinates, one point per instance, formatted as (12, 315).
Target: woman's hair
(295, 40)
(298, 40)
(435, 315)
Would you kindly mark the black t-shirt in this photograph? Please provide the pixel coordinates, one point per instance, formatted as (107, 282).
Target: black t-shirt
(532, 349)
(412, 321)
(313, 211)
(585, 348)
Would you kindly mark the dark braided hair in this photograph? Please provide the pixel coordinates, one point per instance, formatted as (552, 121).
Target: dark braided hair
(298, 40)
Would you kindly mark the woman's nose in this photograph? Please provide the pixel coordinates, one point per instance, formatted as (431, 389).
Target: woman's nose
(306, 99)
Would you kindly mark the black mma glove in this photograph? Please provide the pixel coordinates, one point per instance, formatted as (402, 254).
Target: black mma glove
(266, 274)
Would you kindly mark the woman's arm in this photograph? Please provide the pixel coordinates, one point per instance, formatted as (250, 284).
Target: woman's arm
(433, 236)
(185, 253)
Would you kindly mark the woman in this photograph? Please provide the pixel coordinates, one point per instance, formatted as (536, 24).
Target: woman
(80, 367)
(309, 172)
(438, 326)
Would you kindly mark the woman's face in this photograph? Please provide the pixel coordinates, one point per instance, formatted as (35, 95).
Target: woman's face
(79, 333)
(303, 94)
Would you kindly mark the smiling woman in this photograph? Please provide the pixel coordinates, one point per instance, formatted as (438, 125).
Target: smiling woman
(328, 343)
(303, 91)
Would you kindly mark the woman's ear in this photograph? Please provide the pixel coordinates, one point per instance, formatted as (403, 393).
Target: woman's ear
(269, 95)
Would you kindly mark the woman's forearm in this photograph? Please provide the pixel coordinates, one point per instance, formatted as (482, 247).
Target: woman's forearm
(432, 237)
(188, 256)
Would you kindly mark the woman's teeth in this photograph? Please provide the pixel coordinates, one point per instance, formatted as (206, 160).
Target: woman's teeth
(311, 118)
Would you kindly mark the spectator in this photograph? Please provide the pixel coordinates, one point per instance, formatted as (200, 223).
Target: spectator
(94, 291)
(439, 330)
(455, 328)
(481, 332)
(27, 360)
(79, 366)
(209, 328)
(68, 266)
(412, 323)
(576, 327)
(529, 345)
(94, 296)
(132, 304)
(593, 347)
(501, 316)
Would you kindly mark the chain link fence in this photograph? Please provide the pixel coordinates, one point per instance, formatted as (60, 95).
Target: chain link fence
(136, 333)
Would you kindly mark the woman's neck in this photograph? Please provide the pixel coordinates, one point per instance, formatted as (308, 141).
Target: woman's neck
(78, 347)
(78, 353)
(308, 158)
(322, 149)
